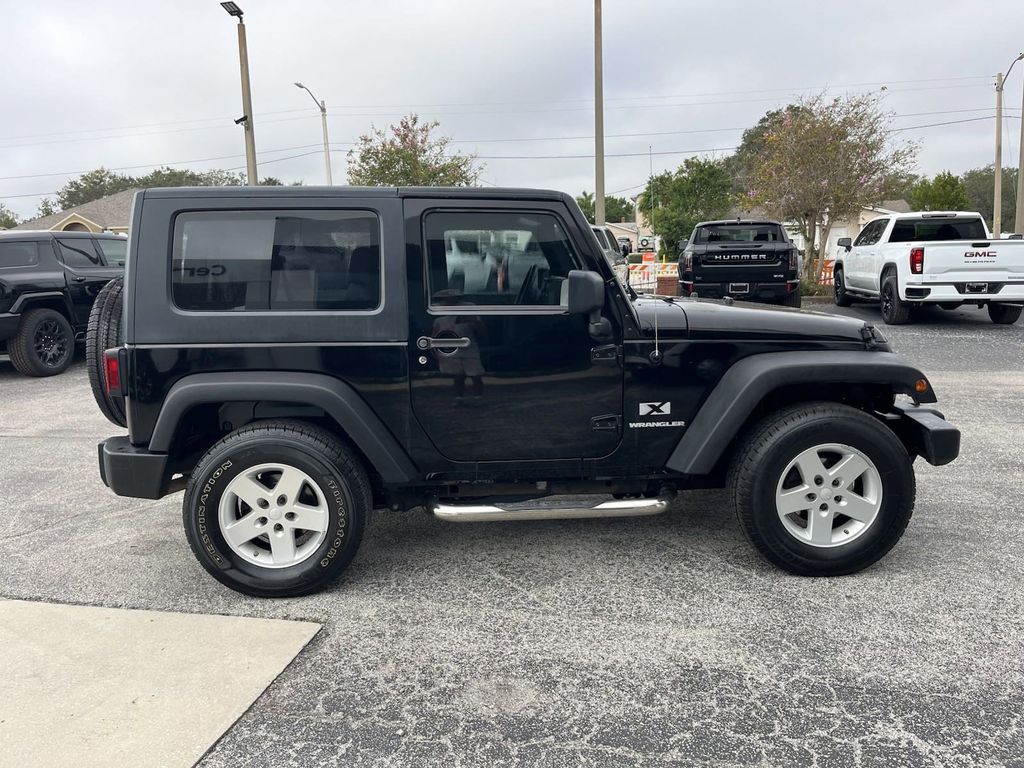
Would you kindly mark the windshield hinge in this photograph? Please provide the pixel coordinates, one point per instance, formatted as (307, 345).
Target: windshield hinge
(607, 354)
(867, 333)
(609, 423)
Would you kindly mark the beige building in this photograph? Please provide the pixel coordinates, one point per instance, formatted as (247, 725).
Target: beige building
(108, 214)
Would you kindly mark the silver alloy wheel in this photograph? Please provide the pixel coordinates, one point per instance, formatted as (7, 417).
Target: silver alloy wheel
(829, 495)
(273, 515)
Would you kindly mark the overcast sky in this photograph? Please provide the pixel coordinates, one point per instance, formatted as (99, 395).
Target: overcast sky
(135, 85)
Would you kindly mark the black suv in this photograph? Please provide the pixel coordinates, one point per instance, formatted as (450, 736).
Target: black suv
(750, 260)
(294, 358)
(48, 283)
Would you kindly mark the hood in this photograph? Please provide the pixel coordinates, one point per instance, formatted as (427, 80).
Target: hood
(721, 320)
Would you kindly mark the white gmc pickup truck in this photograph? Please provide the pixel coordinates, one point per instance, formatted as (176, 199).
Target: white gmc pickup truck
(946, 258)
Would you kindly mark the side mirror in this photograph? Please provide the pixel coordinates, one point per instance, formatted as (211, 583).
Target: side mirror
(586, 297)
(682, 245)
(845, 242)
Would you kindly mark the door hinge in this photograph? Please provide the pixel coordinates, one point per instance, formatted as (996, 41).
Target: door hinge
(608, 423)
(608, 354)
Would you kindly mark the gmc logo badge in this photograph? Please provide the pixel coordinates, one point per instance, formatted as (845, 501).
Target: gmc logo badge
(979, 254)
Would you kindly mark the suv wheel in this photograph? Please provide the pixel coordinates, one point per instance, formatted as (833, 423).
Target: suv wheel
(1004, 314)
(839, 295)
(895, 311)
(44, 344)
(103, 333)
(823, 489)
(276, 509)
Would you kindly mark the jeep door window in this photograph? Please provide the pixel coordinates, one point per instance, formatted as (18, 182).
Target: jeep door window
(277, 261)
(487, 258)
(78, 253)
(115, 252)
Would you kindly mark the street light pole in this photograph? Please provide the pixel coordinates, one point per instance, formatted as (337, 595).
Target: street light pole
(997, 197)
(247, 118)
(598, 119)
(1018, 219)
(322, 106)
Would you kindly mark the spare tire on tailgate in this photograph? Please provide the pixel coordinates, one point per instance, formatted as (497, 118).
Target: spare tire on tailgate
(103, 333)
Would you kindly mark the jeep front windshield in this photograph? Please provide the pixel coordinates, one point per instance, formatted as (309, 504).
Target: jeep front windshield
(739, 233)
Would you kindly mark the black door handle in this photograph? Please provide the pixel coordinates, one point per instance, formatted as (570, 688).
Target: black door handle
(460, 342)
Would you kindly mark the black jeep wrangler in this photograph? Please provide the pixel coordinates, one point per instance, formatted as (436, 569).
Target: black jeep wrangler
(48, 283)
(750, 260)
(297, 357)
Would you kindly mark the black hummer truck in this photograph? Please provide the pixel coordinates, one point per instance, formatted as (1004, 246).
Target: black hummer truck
(747, 260)
(294, 358)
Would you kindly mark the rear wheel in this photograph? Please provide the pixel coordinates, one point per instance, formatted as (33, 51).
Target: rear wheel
(103, 333)
(839, 294)
(44, 344)
(1004, 314)
(822, 489)
(895, 311)
(276, 509)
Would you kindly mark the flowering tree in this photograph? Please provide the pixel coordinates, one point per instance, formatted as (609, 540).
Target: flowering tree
(821, 161)
(408, 154)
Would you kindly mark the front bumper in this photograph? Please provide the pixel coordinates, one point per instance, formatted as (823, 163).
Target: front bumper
(131, 471)
(925, 432)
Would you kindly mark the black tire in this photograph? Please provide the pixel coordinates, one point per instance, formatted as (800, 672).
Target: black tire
(792, 299)
(1004, 314)
(44, 344)
(333, 467)
(839, 295)
(757, 471)
(895, 311)
(103, 333)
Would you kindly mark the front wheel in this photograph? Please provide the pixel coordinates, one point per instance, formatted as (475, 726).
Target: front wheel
(839, 295)
(822, 489)
(1004, 314)
(276, 509)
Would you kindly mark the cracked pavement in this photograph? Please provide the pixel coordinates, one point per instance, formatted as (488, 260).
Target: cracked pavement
(646, 641)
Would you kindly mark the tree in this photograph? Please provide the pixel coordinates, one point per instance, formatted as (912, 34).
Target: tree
(8, 218)
(945, 192)
(92, 186)
(979, 184)
(46, 208)
(616, 209)
(408, 154)
(696, 191)
(825, 160)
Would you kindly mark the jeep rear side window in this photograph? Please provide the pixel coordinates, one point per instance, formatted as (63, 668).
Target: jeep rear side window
(78, 253)
(487, 258)
(251, 261)
(23, 254)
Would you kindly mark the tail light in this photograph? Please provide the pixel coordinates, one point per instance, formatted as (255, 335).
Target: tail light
(112, 371)
(917, 260)
(688, 262)
(794, 259)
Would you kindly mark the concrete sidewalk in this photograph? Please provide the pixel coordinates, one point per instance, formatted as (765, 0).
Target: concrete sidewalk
(101, 686)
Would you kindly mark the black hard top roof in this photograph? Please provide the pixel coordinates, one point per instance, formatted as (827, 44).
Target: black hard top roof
(43, 234)
(480, 193)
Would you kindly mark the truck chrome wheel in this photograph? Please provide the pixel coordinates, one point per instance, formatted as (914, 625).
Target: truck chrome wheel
(829, 495)
(273, 515)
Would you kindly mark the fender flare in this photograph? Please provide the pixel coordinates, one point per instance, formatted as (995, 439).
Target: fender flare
(333, 396)
(747, 383)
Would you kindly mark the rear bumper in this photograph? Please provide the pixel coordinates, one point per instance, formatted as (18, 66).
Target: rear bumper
(925, 432)
(131, 471)
(1001, 292)
(775, 291)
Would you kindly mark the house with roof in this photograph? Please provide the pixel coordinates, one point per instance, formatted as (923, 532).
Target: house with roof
(107, 214)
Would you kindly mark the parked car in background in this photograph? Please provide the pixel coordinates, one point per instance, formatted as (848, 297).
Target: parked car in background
(625, 245)
(749, 260)
(608, 244)
(947, 258)
(48, 282)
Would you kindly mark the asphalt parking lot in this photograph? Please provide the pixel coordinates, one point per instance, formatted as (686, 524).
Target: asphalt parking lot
(645, 641)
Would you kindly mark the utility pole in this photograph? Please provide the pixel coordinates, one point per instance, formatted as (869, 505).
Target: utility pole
(598, 119)
(997, 198)
(1018, 219)
(322, 105)
(246, 119)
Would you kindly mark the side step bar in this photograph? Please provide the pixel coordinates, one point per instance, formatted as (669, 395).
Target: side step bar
(478, 513)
